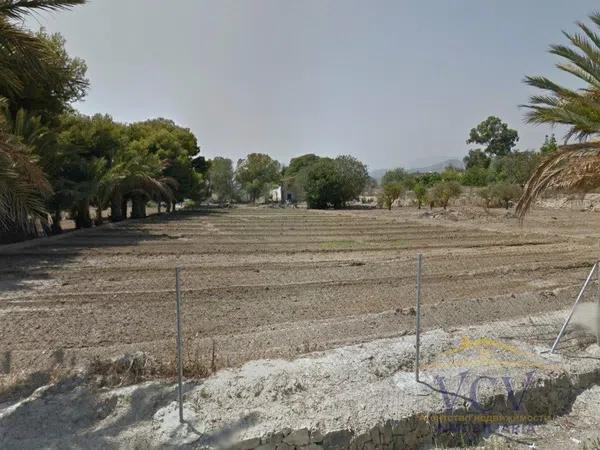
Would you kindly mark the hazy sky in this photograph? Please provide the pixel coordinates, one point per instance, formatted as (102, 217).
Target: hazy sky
(390, 82)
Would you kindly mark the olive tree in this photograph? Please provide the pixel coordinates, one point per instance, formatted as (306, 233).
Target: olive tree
(391, 192)
(442, 192)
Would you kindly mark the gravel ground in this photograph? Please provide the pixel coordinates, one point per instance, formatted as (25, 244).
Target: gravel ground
(271, 282)
(357, 397)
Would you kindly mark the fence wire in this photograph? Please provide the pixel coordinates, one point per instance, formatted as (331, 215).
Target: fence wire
(517, 310)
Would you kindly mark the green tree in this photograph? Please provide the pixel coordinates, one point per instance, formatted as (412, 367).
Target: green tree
(323, 185)
(442, 192)
(578, 109)
(299, 163)
(392, 191)
(220, 175)
(82, 188)
(176, 147)
(294, 176)
(495, 135)
(331, 183)
(505, 193)
(137, 175)
(37, 73)
(353, 176)
(477, 158)
(85, 152)
(398, 175)
(420, 194)
(451, 174)
(516, 167)
(63, 82)
(36, 77)
(256, 173)
(549, 146)
(429, 179)
(22, 187)
(573, 168)
(476, 176)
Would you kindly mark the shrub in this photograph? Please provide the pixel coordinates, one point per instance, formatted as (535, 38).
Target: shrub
(505, 193)
(391, 193)
(442, 192)
(487, 196)
(500, 195)
(475, 176)
(420, 194)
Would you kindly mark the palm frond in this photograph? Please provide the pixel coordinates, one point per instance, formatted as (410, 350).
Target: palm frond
(22, 185)
(548, 85)
(578, 109)
(574, 168)
(16, 9)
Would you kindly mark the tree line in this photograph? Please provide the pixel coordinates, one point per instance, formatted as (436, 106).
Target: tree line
(55, 160)
(321, 182)
(497, 169)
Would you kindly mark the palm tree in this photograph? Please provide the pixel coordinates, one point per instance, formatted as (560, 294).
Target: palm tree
(84, 188)
(22, 56)
(574, 167)
(21, 53)
(136, 175)
(23, 184)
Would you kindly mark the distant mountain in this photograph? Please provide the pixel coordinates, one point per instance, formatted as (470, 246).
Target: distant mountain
(439, 167)
(378, 174)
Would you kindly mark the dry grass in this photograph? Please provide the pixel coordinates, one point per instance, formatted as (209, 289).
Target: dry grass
(14, 387)
(592, 444)
(122, 371)
(140, 367)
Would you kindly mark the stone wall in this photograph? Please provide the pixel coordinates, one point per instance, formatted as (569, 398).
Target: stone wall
(406, 434)
(548, 397)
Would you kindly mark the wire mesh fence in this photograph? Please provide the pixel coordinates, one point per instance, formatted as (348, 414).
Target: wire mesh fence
(250, 312)
(561, 319)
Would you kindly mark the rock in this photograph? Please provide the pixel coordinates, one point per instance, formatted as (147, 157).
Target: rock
(376, 436)
(298, 438)
(266, 447)
(133, 361)
(593, 349)
(386, 437)
(369, 446)
(314, 447)
(248, 444)
(284, 446)
(409, 311)
(276, 438)
(360, 441)
(337, 440)
(316, 436)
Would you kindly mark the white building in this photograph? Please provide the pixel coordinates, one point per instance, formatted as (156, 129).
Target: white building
(276, 194)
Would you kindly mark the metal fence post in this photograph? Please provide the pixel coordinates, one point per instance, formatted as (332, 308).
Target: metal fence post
(598, 305)
(179, 345)
(418, 318)
(564, 327)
